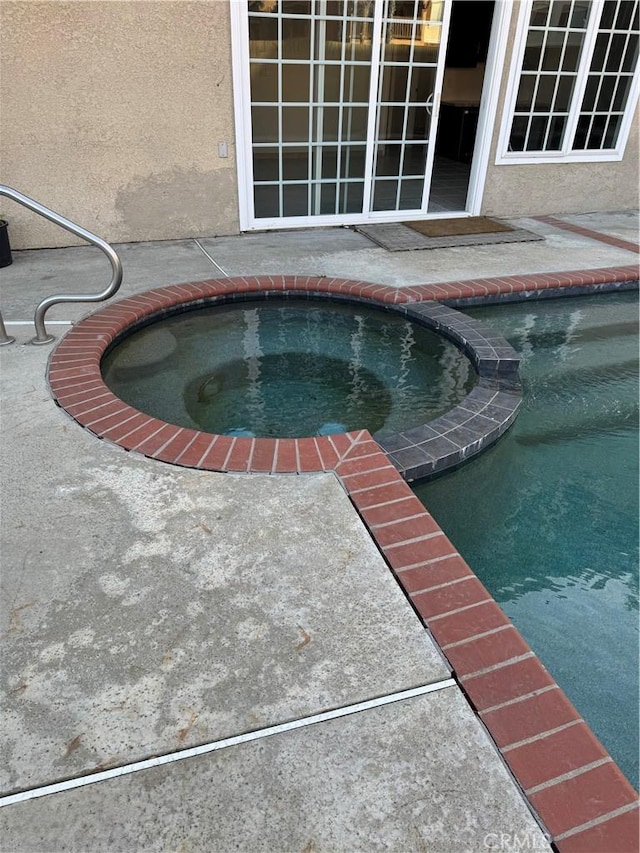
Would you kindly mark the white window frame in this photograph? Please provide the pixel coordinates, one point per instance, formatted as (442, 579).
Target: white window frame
(242, 114)
(505, 157)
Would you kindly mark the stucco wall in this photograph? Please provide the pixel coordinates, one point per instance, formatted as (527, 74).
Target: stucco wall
(112, 113)
(531, 190)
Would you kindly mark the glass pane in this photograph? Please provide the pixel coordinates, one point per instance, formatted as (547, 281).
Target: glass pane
(427, 52)
(572, 51)
(623, 21)
(563, 94)
(608, 14)
(356, 83)
(423, 84)
(397, 50)
(264, 121)
(631, 54)
(266, 201)
(432, 11)
(597, 132)
(388, 159)
(580, 14)
(544, 95)
(539, 13)
(325, 124)
(328, 198)
(384, 195)
(263, 6)
(295, 124)
(533, 51)
(391, 122)
(295, 83)
(296, 7)
(264, 82)
(622, 93)
(295, 200)
(411, 195)
(358, 8)
(351, 197)
(415, 158)
(537, 133)
(611, 134)
(600, 52)
(354, 124)
(325, 161)
(518, 133)
(402, 9)
(605, 98)
(265, 164)
(582, 131)
(352, 161)
(552, 51)
(295, 164)
(559, 14)
(616, 52)
(326, 84)
(556, 132)
(590, 94)
(525, 93)
(263, 38)
(295, 38)
(418, 123)
(394, 83)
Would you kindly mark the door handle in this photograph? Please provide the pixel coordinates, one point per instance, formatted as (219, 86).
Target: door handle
(429, 105)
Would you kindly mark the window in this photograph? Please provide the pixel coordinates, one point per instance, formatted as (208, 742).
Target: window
(577, 82)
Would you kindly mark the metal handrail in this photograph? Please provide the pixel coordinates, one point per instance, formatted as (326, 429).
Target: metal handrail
(116, 265)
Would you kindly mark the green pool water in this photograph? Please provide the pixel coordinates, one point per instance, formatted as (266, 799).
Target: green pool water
(548, 518)
(289, 368)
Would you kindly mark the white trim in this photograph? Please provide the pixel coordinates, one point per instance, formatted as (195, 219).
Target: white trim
(502, 13)
(242, 107)
(435, 111)
(214, 746)
(504, 157)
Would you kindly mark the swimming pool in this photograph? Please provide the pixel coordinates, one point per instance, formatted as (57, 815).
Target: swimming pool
(289, 368)
(549, 518)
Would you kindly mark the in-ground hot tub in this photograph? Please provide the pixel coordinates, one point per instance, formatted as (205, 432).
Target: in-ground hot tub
(284, 359)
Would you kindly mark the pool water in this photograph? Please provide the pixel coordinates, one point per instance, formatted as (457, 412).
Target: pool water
(289, 368)
(548, 518)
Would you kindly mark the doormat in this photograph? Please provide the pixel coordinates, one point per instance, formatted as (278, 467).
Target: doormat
(444, 233)
(456, 227)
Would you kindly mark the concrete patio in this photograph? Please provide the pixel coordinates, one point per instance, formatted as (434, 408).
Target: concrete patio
(149, 609)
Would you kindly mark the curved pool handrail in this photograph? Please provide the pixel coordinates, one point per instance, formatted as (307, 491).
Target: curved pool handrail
(116, 264)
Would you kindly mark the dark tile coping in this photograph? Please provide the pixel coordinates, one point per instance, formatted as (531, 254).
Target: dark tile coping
(575, 787)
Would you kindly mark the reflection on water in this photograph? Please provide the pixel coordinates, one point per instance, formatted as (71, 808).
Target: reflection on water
(289, 369)
(549, 519)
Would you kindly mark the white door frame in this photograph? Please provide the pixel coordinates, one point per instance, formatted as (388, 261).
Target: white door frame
(486, 123)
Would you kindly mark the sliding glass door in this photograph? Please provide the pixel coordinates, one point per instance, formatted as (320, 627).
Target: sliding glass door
(338, 102)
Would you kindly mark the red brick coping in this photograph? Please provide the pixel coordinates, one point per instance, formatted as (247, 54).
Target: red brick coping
(570, 780)
(589, 232)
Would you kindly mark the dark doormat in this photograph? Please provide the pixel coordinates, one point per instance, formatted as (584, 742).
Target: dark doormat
(444, 233)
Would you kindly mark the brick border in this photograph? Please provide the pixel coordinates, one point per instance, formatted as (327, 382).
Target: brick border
(568, 777)
(590, 233)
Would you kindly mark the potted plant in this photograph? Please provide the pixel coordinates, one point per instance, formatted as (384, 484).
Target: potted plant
(5, 246)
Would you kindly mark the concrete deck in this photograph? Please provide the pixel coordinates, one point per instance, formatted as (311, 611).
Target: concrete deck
(148, 609)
